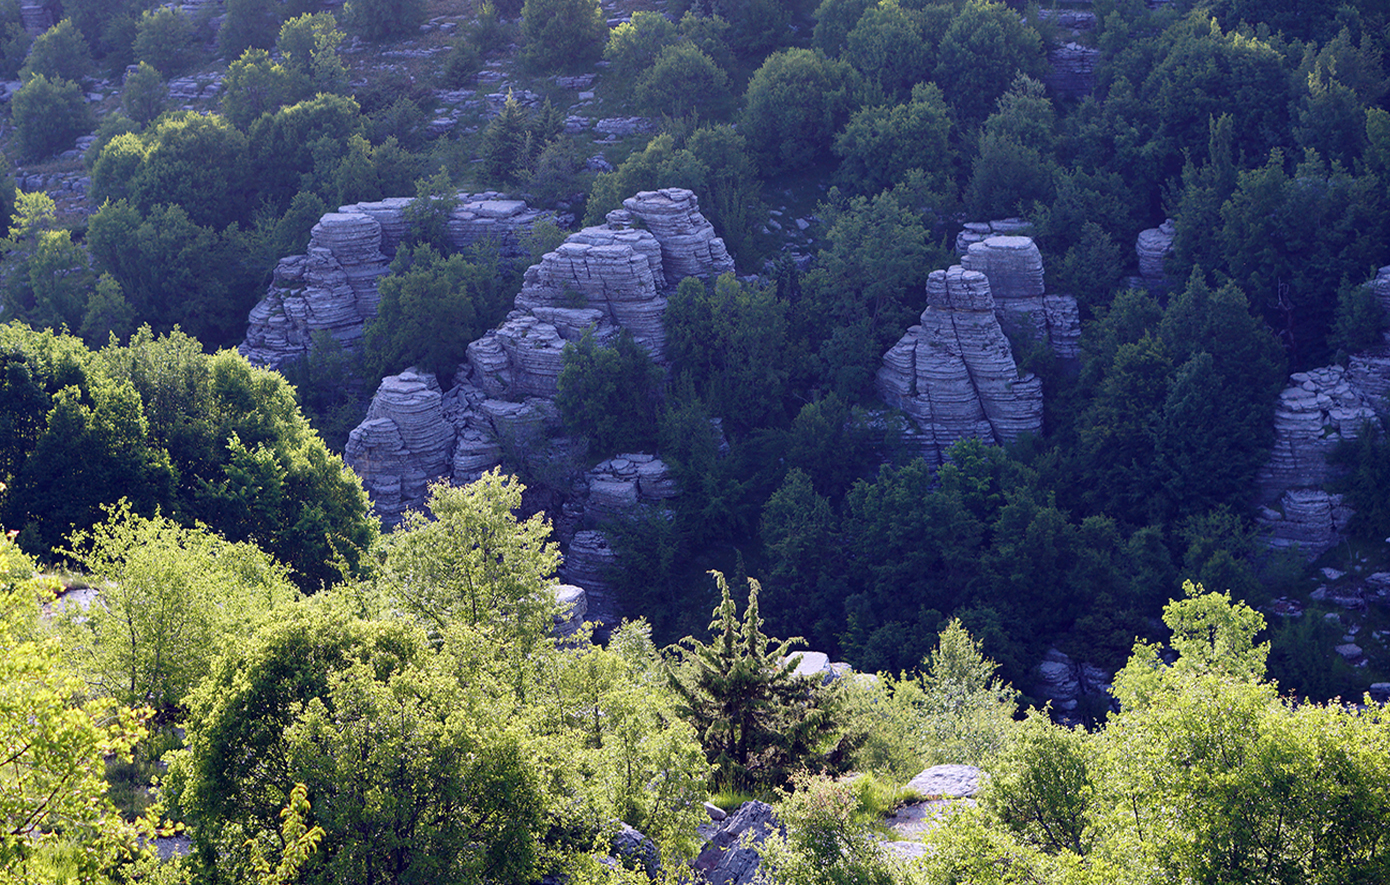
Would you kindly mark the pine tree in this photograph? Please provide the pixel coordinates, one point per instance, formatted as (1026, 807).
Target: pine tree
(754, 716)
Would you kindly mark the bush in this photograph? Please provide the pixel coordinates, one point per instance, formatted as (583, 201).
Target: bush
(48, 116)
(563, 33)
(61, 52)
(797, 100)
(682, 81)
(634, 45)
(380, 19)
(144, 94)
(164, 39)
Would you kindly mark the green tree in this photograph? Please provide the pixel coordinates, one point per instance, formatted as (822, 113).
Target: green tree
(1041, 787)
(796, 101)
(255, 85)
(892, 47)
(610, 394)
(48, 116)
(826, 840)
(172, 598)
(881, 144)
(173, 271)
(14, 40)
(380, 19)
(60, 53)
(309, 46)
(682, 81)
(427, 292)
(985, 47)
(55, 742)
(756, 719)
(144, 94)
(562, 33)
(249, 24)
(108, 312)
(164, 39)
(730, 340)
(474, 563)
(404, 783)
(634, 45)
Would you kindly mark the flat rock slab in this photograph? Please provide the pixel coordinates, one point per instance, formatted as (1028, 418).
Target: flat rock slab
(947, 781)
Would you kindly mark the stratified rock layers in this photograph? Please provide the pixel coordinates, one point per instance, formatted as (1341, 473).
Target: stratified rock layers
(602, 280)
(332, 288)
(1319, 409)
(1014, 268)
(955, 374)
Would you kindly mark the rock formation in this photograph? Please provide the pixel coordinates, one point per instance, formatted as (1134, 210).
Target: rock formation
(332, 288)
(1073, 73)
(1153, 248)
(1065, 682)
(978, 231)
(603, 279)
(1318, 410)
(955, 374)
(731, 856)
(1014, 268)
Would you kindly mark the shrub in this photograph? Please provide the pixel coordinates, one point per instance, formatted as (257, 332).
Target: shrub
(563, 33)
(61, 52)
(380, 19)
(164, 39)
(48, 116)
(144, 94)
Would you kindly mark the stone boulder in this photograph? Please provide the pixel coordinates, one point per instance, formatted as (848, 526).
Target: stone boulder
(1014, 267)
(954, 374)
(1065, 682)
(1153, 248)
(730, 857)
(574, 608)
(405, 442)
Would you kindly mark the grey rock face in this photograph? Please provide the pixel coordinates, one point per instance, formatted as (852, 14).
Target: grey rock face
(332, 287)
(1014, 268)
(1065, 682)
(403, 444)
(730, 858)
(954, 374)
(1319, 409)
(574, 607)
(1153, 248)
(1073, 69)
(978, 231)
(689, 247)
(587, 564)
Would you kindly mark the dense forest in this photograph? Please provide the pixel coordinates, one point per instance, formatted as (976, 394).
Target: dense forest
(196, 587)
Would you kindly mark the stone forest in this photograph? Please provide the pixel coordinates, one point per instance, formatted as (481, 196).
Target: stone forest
(726, 442)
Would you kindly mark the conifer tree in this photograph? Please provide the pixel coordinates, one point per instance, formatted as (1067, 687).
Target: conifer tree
(754, 716)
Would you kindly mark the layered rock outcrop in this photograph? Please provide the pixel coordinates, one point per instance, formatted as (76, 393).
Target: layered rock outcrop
(1153, 246)
(602, 280)
(954, 374)
(1320, 408)
(1073, 73)
(332, 287)
(1014, 268)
